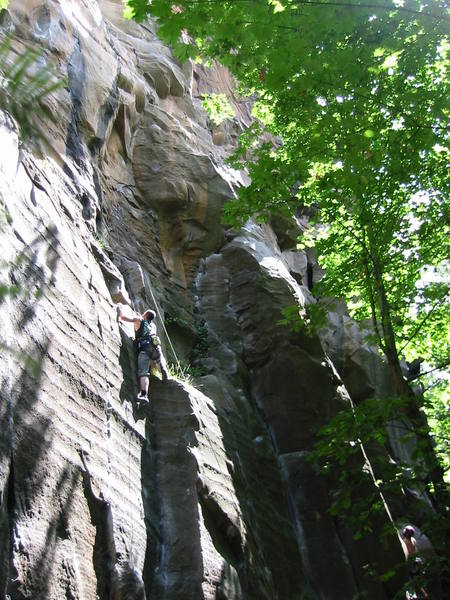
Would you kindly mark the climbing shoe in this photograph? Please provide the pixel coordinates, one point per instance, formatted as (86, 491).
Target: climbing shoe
(142, 397)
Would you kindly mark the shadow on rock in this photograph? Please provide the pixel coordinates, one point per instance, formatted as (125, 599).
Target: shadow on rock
(127, 361)
(57, 530)
(174, 563)
(24, 429)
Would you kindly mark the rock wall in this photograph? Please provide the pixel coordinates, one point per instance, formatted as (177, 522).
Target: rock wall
(208, 493)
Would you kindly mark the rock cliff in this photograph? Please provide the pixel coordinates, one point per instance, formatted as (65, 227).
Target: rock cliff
(208, 492)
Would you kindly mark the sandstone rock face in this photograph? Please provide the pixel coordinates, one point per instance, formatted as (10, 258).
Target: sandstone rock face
(207, 493)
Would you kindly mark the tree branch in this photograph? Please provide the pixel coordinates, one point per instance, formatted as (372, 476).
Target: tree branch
(324, 4)
(419, 326)
(437, 368)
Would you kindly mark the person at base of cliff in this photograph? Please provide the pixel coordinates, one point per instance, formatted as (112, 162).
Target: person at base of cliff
(148, 348)
(420, 555)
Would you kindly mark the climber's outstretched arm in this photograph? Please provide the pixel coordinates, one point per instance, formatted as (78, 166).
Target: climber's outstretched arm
(135, 318)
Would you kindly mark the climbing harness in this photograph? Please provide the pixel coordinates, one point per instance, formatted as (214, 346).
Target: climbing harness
(146, 332)
(147, 340)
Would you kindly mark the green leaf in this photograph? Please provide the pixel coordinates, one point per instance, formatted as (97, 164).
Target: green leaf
(218, 107)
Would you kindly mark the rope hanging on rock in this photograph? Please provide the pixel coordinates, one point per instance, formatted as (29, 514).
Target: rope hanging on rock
(155, 303)
(201, 421)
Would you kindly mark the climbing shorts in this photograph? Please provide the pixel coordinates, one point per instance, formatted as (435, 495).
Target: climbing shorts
(144, 358)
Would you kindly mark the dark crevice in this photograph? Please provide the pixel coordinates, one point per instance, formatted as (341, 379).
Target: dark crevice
(76, 71)
(309, 274)
(11, 516)
(88, 207)
(99, 192)
(152, 507)
(225, 535)
(7, 535)
(11, 497)
(62, 529)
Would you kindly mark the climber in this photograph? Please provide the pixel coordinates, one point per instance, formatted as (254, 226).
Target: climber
(421, 558)
(417, 544)
(148, 348)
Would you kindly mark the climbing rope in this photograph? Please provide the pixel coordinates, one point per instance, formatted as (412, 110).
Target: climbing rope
(149, 286)
(194, 401)
(128, 412)
(94, 317)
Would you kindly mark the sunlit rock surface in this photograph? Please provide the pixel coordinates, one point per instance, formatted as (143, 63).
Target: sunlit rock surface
(208, 493)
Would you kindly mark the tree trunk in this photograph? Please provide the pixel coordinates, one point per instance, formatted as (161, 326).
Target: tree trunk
(373, 308)
(389, 345)
(413, 406)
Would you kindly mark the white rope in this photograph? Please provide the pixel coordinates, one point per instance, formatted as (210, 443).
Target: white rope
(194, 401)
(128, 412)
(147, 283)
(180, 370)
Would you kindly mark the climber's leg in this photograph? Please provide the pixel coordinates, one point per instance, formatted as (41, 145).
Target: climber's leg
(143, 367)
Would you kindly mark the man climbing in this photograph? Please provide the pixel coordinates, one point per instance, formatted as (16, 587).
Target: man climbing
(148, 348)
(421, 558)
